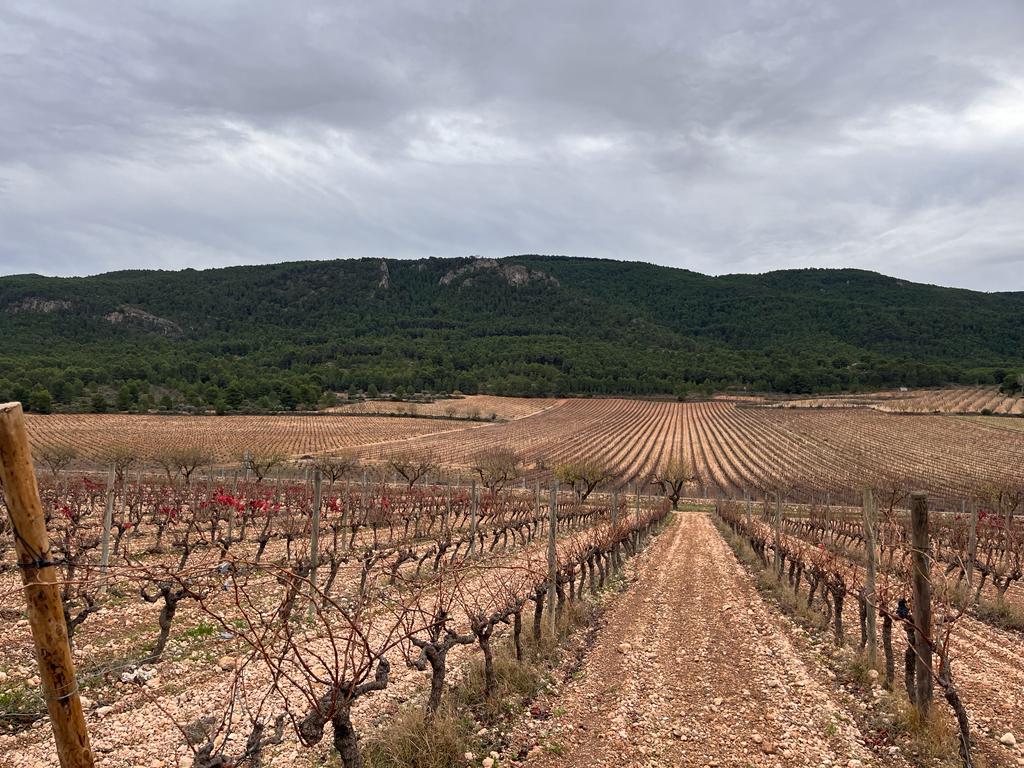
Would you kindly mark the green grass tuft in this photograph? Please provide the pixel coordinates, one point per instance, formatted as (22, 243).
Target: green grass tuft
(20, 706)
(200, 631)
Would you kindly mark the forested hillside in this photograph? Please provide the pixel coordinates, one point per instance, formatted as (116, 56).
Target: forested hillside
(280, 336)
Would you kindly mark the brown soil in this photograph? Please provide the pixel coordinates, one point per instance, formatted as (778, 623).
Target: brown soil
(693, 669)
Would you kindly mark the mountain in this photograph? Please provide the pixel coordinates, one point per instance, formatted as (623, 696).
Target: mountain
(282, 335)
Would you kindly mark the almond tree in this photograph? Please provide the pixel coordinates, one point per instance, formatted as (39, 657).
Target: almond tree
(183, 461)
(121, 458)
(583, 476)
(335, 468)
(497, 467)
(56, 458)
(412, 468)
(262, 463)
(673, 477)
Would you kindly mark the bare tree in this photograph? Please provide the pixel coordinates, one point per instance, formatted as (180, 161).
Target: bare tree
(262, 463)
(56, 458)
(183, 461)
(412, 468)
(497, 467)
(583, 475)
(335, 468)
(673, 478)
(121, 458)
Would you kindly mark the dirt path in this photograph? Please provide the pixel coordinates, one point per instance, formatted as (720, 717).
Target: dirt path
(693, 669)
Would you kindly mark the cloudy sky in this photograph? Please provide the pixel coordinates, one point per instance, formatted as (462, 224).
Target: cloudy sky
(715, 135)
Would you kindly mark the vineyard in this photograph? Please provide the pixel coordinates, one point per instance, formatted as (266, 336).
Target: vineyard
(92, 436)
(819, 554)
(732, 447)
(483, 407)
(957, 400)
(175, 595)
(302, 584)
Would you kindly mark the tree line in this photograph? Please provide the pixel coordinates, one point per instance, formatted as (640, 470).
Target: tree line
(279, 337)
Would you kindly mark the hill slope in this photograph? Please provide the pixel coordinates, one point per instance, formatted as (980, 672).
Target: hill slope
(279, 335)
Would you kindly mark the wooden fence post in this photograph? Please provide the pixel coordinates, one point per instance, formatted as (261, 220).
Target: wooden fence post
(780, 565)
(552, 560)
(473, 502)
(314, 534)
(870, 577)
(231, 513)
(363, 500)
(922, 585)
(108, 521)
(972, 545)
(536, 500)
(42, 592)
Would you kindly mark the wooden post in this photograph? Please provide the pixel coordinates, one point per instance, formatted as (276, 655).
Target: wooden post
(552, 560)
(615, 508)
(108, 521)
(1007, 532)
(142, 498)
(42, 592)
(363, 498)
(972, 545)
(231, 512)
(536, 500)
(750, 521)
(473, 502)
(780, 566)
(314, 536)
(346, 519)
(870, 549)
(922, 586)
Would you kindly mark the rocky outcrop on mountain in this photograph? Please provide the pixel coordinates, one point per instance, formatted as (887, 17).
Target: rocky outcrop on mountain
(515, 275)
(37, 304)
(130, 316)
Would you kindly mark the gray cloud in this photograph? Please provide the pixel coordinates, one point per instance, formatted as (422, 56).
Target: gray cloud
(718, 136)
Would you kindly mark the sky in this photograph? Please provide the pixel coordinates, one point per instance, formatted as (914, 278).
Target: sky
(713, 135)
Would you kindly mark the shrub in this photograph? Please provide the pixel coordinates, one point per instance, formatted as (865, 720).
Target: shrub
(415, 740)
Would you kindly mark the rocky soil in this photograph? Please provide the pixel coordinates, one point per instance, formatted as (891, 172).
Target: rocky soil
(692, 668)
